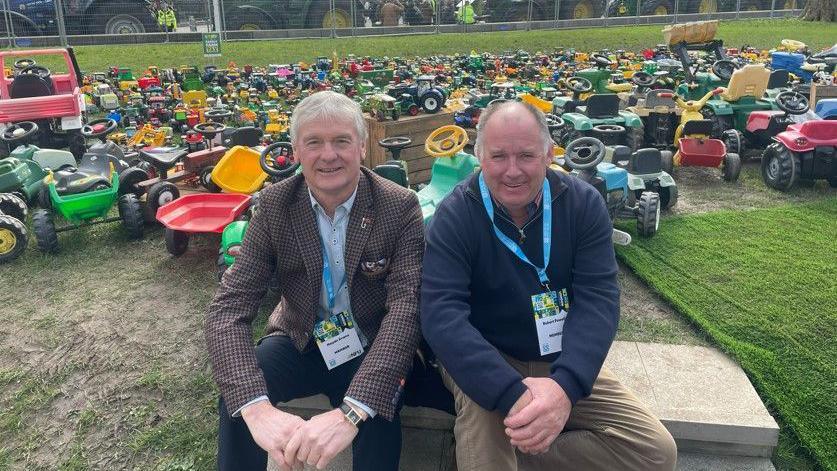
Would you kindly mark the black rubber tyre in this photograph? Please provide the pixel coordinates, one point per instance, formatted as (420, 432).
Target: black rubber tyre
(832, 182)
(206, 180)
(780, 167)
(45, 233)
(432, 102)
(719, 123)
(13, 238)
(14, 206)
(732, 167)
(44, 198)
(667, 161)
(76, 145)
(635, 138)
(176, 242)
(129, 181)
(221, 265)
(668, 197)
(648, 214)
(609, 134)
(130, 211)
(129, 19)
(248, 21)
(159, 194)
(734, 142)
(568, 136)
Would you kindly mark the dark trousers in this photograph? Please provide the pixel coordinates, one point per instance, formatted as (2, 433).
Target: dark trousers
(292, 375)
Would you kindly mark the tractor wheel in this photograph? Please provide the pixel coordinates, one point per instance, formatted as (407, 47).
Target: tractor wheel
(648, 214)
(413, 110)
(129, 181)
(635, 138)
(176, 242)
(248, 21)
(832, 182)
(395, 115)
(77, 145)
(432, 102)
(380, 116)
(719, 123)
(222, 265)
(45, 233)
(569, 136)
(579, 9)
(12, 205)
(667, 161)
(668, 197)
(13, 238)
(732, 167)
(159, 194)
(780, 167)
(657, 8)
(734, 142)
(206, 180)
(131, 213)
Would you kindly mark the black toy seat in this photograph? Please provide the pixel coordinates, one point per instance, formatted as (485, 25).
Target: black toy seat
(602, 106)
(31, 85)
(621, 156)
(395, 171)
(92, 173)
(778, 79)
(645, 161)
(653, 99)
(163, 158)
(697, 126)
(246, 136)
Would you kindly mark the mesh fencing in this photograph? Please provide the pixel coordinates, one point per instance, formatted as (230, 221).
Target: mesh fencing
(25, 23)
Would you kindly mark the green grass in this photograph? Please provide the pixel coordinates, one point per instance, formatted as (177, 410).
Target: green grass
(762, 284)
(762, 33)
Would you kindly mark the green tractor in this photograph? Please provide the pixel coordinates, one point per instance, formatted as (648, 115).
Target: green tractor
(601, 76)
(13, 234)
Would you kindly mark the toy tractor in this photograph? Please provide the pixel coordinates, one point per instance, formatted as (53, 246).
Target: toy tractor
(659, 114)
(601, 76)
(599, 116)
(13, 233)
(699, 36)
(764, 125)
(423, 93)
(382, 106)
(806, 151)
(646, 172)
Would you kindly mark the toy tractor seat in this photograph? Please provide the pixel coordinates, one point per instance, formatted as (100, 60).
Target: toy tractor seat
(246, 136)
(162, 158)
(54, 159)
(645, 162)
(750, 80)
(93, 173)
(697, 127)
(31, 85)
(779, 78)
(817, 132)
(653, 101)
(394, 171)
(760, 120)
(601, 106)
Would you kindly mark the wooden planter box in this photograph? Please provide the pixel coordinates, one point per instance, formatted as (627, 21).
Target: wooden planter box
(416, 128)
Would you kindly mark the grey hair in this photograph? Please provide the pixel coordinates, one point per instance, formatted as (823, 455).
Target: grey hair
(328, 105)
(498, 105)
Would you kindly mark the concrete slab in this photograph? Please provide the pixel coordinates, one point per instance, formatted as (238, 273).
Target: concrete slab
(703, 397)
(702, 462)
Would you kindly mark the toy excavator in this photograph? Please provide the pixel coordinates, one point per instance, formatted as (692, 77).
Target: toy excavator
(148, 136)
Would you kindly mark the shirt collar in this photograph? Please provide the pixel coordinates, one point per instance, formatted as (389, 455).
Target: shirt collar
(346, 205)
(531, 208)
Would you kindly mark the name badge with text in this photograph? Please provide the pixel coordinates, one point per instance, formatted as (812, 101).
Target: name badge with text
(337, 339)
(550, 310)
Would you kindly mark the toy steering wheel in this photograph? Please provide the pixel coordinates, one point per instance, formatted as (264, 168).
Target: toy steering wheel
(24, 63)
(553, 122)
(643, 79)
(217, 114)
(277, 160)
(792, 102)
(210, 129)
(579, 84)
(99, 128)
(446, 141)
(584, 153)
(793, 45)
(601, 60)
(724, 68)
(38, 70)
(19, 131)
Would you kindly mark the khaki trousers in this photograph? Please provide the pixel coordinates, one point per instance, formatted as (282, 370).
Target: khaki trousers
(609, 430)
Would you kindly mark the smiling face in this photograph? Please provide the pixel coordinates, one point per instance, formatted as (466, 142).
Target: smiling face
(330, 152)
(513, 158)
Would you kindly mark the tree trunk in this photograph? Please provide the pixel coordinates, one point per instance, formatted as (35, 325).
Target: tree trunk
(820, 10)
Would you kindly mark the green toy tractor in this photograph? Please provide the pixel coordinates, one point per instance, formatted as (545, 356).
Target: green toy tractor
(13, 234)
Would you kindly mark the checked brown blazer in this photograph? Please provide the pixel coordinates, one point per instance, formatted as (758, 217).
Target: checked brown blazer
(384, 247)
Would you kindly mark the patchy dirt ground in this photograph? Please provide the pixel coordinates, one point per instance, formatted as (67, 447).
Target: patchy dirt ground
(102, 357)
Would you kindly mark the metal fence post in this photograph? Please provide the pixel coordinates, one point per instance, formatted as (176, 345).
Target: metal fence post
(59, 20)
(737, 9)
(772, 8)
(676, 9)
(606, 11)
(529, 16)
(7, 20)
(638, 10)
(557, 10)
(353, 15)
(331, 15)
(437, 12)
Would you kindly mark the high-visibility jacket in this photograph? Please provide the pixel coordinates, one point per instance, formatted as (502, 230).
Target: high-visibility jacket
(167, 19)
(466, 14)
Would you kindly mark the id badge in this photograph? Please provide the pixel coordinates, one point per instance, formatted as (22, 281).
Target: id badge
(550, 309)
(337, 339)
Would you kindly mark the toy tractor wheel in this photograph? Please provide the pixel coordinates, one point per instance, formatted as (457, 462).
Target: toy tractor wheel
(14, 206)
(635, 138)
(668, 197)
(159, 194)
(568, 136)
(732, 167)
(719, 123)
(131, 213)
(780, 167)
(44, 198)
(13, 238)
(832, 182)
(413, 110)
(76, 145)
(734, 142)
(176, 242)
(667, 161)
(222, 266)
(432, 102)
(648, 214)
(395, 115)
(206, 180)
(129, 181)
(380, 116)
(45, 233)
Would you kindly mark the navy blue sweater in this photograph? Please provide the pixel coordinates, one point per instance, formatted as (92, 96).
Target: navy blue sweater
(476, 294)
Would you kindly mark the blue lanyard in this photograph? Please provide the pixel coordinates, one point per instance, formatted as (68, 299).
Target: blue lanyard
(327, 279)
(515, 249)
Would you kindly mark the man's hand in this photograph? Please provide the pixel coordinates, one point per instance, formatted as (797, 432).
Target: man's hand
(271, 429)
(533, 428)
(319, 440)
(521, 402)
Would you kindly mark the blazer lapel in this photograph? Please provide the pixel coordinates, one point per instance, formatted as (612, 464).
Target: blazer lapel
(360, 225)
(308, 241)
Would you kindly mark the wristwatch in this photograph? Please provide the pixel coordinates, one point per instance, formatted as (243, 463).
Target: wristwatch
(353, 417)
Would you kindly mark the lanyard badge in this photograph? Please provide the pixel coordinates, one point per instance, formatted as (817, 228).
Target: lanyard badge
(337, 337)
(549, 307)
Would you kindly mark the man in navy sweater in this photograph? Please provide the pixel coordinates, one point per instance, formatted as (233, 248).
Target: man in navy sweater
(520, 304)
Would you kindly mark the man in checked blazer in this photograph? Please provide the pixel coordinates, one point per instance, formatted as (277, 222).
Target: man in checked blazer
(341, 242)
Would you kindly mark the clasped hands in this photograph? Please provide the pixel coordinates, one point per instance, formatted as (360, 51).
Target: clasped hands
(292, 442)
(538, 416)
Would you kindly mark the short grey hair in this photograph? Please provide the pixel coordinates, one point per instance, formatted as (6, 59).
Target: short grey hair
(498, 105)
(328, 105)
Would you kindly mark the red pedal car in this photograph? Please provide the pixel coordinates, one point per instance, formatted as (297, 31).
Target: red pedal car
(806, 151)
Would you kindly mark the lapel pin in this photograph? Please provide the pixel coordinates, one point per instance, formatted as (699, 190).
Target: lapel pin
(364, 221)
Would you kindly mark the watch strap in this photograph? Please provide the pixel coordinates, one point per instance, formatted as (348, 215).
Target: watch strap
(350, 414)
